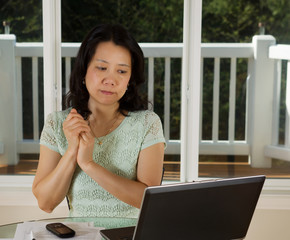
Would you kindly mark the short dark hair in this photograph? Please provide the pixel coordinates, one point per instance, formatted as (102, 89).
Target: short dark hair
(78, 95)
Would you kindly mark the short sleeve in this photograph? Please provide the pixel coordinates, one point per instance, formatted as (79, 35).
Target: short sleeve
(48, 135)
(153, 130)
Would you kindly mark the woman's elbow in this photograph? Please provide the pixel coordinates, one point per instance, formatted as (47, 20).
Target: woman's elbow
(43, 205)
(46, 207)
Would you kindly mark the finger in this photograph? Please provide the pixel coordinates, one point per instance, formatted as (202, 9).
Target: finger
(80, 128)
(73, 110)
(86, 137)
(89, 134)
(73, 119)
(73, 114)
(77, 127)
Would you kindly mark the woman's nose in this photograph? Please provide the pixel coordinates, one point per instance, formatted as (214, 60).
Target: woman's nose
(109, 80)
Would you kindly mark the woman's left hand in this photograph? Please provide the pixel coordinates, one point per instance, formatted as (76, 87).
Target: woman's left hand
(85, 151)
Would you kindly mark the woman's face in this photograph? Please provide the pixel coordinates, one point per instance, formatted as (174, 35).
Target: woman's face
(108, 74)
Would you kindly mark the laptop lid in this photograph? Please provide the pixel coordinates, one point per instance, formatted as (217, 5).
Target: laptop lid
(217, 209)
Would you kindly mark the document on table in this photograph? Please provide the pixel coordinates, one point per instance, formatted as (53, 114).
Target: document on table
(84, 230)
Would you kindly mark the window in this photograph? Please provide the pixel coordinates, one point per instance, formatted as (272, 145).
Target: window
(226, 99)
(21, 86)
(230, 106)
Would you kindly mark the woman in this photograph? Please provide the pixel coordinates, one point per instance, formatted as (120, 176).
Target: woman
(105, 148)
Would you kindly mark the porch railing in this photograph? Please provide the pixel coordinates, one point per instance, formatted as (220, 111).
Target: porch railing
(262, 96)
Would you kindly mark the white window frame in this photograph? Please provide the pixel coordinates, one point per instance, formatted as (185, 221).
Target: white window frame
(51, 10)
(276, 192)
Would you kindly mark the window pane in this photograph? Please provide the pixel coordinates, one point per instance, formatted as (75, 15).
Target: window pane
(237, 22)
(23, 108)
(23, 19)
(142, 18)
(149, 22)
(155, 22)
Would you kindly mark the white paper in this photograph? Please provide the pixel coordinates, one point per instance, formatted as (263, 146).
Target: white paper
(84, 230)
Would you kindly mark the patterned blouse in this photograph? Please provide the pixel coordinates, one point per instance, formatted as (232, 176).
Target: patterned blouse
(118, 153)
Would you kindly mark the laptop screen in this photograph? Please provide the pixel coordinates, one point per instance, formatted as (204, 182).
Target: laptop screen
(220, 209)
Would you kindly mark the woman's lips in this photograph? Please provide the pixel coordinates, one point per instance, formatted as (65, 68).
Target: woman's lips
(106, 92)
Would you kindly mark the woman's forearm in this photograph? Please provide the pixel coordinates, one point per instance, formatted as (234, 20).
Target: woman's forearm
(50, 190)
(149, 173)
(128, 191)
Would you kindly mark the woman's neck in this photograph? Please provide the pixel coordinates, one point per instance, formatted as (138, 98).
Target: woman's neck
(103, 112)
(104, 120)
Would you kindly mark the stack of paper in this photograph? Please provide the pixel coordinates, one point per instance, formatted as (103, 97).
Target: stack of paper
(84, 230)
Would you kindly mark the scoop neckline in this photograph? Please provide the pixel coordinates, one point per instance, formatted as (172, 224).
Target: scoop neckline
(115, 130)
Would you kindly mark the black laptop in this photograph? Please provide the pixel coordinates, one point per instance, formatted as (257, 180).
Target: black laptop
(216, 209)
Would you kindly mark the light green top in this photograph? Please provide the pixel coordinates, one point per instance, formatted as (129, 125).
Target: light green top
(118, 153)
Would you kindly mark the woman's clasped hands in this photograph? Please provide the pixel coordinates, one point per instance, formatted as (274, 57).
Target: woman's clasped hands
(80, 138)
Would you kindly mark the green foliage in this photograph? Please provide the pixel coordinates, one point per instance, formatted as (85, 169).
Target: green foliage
(276, 16)
(229, 20)
(25, 18)
(238, 20)
(153, 21)
(148, 21)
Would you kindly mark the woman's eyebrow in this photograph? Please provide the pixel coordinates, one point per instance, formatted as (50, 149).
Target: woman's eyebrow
(101, 60)
(120, 64)
(124, 65)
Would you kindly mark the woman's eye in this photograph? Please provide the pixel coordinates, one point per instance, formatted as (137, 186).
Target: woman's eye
(122, 71)
(101, 68)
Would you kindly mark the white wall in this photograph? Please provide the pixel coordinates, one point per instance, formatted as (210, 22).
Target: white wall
(19, 204)
(270, 224)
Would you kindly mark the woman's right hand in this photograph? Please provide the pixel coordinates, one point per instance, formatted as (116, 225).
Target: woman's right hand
(73, 126)
(55, 171)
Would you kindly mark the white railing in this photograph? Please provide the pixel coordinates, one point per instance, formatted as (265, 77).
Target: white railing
(275, 150)
(256, 54)
(219, 51)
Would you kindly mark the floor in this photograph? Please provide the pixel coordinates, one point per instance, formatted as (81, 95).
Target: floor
(172, 169)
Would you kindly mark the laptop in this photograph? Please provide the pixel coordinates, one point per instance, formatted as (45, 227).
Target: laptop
(215, 209)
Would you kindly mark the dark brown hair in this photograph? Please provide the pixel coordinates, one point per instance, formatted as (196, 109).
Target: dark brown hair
(78, 95)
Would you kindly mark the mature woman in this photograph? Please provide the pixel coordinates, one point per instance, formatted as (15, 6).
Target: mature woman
(105, 148)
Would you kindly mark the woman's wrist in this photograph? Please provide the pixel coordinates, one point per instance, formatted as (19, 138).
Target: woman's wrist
(87, 165)
(72, 151)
